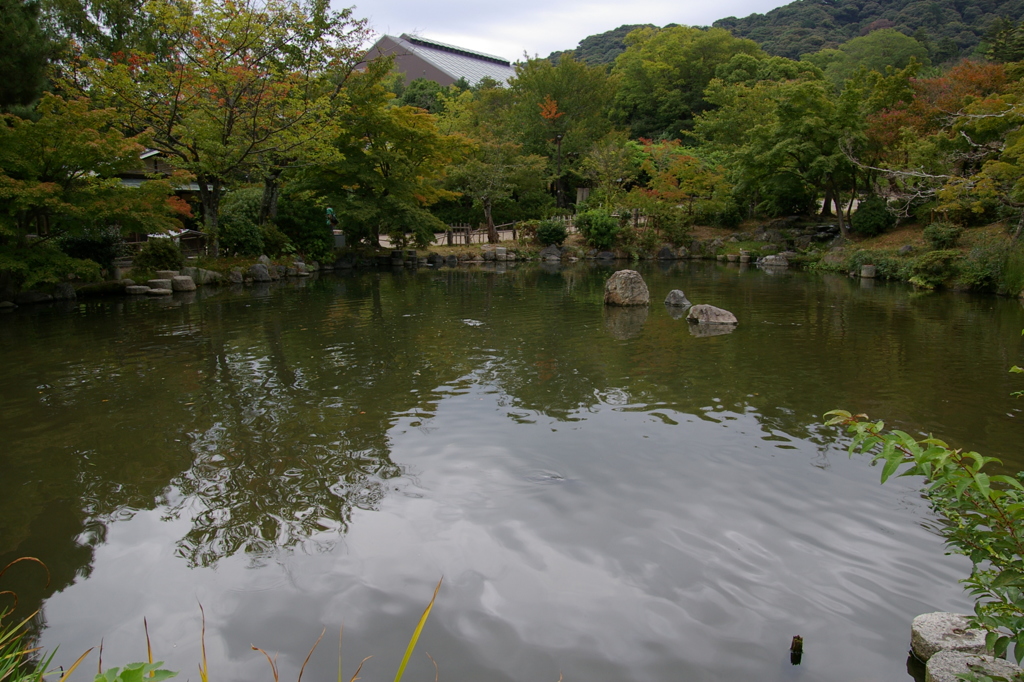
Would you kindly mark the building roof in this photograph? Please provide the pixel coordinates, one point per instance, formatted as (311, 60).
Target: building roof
(456, 62)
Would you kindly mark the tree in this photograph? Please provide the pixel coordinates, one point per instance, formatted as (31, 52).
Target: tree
(24, 52)
(389, 167)
(59, 173)
(611, 164)
(875, 52)
(554, 111)
(241, 88)
(495, 171)
(663, 73)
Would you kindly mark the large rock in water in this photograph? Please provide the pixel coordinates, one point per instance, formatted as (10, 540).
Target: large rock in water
(626, 288)
(182, 283)
(259, 273)
(676, 298)
(709, 314)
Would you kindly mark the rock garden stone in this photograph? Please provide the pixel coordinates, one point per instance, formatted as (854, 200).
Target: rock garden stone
(946, 666)
(159, 292)
(775, 261)
(291, 272)
(258, 273)
(263, 260)
(732, 257)
(606, 255)
(136, 290)
(490, 255)
(452, 261)
(868, 271)
(166, 274)
(682, 252)
(709, 314)
(64, 291)
(551, 253)
(666, 253)
(301, 269)
(159, 283)
(942, 631)
(905, 250)
(626, 288)
(676, 298)
(501, 253)
(435, 259)
(182, 283)
(235, 277)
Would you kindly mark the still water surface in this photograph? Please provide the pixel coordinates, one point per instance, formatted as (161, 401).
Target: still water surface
(607, 496)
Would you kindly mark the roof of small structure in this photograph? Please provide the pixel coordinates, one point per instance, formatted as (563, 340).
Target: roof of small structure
(457, 62)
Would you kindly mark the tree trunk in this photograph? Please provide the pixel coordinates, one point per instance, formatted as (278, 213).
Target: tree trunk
(843, 230)
(492, 232)
(826, 209)
(209, 197)
(271, 192)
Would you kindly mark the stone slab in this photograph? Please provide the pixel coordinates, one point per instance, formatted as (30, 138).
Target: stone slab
(136, 289)
(931, 633)
(160, 292)
(946, 666)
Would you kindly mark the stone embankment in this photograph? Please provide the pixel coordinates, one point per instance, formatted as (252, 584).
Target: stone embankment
(949, 647)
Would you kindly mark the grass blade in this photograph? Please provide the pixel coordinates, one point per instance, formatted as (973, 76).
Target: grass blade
(416, 634)
(356, 676)
(204, 669)
(317, 642)
(74, 665)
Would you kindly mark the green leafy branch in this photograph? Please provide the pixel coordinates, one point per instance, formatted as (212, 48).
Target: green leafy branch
(984, 518)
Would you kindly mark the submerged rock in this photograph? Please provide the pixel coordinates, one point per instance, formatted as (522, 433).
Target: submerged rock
(626, 288)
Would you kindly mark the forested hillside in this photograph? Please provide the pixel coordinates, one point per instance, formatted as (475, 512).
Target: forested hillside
(949, 28)
(602, 48)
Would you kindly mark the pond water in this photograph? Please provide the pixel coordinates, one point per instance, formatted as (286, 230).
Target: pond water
(607, 496)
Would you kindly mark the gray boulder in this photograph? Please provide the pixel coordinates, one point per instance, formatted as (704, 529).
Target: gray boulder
(452, 261)
(300, 269)
(551, 253)
(931, 633)
(435, 259)
(947, 666)
(906, 249)
(136, 290)
(774, 261)
(490, 254)
(160, 283)
(263, 260)
(676, 298)
(166, 274)
(182, 283)
(64, 291)
(259, 273)
(626, 288)
(709, 314)
(235, 276)
(666, 253)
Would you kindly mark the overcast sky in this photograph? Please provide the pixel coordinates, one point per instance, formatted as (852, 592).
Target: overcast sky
(538, 27)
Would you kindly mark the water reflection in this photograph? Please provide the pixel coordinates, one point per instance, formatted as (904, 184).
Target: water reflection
(259, 421)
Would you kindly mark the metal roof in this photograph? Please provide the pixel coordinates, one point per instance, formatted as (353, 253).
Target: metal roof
(458, 62)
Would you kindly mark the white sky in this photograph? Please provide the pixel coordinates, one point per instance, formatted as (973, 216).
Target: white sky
(538, 27)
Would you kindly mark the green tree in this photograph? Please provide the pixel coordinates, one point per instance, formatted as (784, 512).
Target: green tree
(495, 171)
(59, 174)
(554, 111)
(875, 52)
(389, 168)
(241, 88)
(24, 52)
(663, 73)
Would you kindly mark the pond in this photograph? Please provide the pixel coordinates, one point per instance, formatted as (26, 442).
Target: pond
(607, 496)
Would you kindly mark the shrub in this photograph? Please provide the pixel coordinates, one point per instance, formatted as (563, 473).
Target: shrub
(551, 232)
(238, 228)
(99, 246)
(275, 242)
(24, 267)
(304, 222)
(599, 228)
(159, 253)
(1011, 279)
(942, 235)
(872, 217)
(935, 267)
